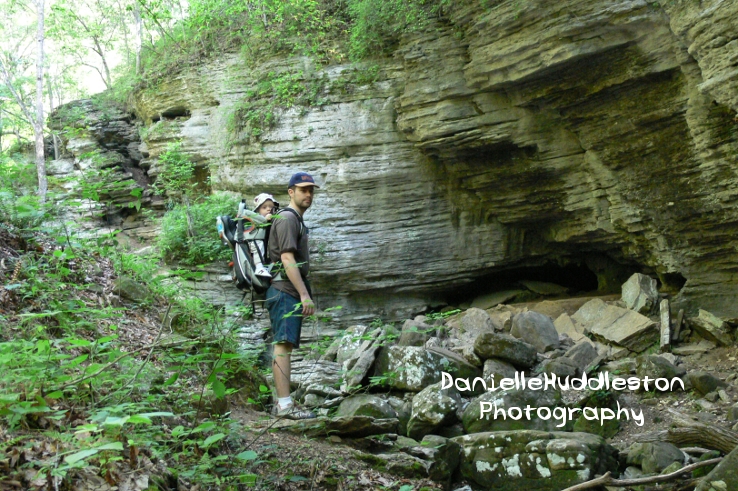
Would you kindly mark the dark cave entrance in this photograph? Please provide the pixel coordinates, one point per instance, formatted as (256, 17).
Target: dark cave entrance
(595, 274)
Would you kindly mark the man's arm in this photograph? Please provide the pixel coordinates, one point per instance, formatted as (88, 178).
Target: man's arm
(293, 273)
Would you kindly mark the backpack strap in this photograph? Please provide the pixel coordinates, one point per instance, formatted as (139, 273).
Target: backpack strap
(303, 230)
(303, 227)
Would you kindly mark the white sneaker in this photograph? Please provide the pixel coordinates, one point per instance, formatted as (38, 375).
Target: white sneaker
(292, 411)
(262, 271)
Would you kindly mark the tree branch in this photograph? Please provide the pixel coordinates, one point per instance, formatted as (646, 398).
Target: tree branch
(608, 480)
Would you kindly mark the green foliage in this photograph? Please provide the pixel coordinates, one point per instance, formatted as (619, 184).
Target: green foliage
(175, 241)
(175, 173)
(377, 24)
(63, 360)
(19, 205)
(260, 109)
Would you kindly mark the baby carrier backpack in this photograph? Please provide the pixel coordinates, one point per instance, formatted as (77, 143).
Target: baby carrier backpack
(241, 235)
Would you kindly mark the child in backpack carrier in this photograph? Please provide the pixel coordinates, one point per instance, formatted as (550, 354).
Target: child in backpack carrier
(265, 205)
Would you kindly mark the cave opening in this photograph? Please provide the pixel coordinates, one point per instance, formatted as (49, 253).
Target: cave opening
(594, 274)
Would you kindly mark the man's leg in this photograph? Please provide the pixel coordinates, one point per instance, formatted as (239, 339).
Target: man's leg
(286, 328)
(281, 368)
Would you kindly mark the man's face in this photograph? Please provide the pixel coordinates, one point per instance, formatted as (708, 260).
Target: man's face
(302, 196)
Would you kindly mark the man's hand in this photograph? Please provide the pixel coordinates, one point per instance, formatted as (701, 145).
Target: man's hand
(308, 307)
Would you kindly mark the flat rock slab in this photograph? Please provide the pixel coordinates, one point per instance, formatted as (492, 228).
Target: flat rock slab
(505, 347)
(712, 328)
(617, 325)
(694, 349)
(533, 460)
(493, 299)
(349, 426)
(544, 288)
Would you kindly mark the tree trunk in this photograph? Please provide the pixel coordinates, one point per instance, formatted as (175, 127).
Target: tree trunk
(38, 127)
(54, 139)
(139, 37)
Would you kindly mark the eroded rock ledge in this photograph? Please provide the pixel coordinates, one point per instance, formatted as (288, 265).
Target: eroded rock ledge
(513, 135)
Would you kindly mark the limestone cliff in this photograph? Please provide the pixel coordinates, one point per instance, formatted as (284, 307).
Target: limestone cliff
(507, 134)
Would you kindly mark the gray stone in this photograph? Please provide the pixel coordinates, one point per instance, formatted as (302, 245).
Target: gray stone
(654, 457)
(582, 353)
(733, 412)
(704, 382)
(506, 348)
(640, 293)
(444, 457)
(503, 400)
(366, 405)
(476, 321)
(563, 367)
(565, 325)
(528, 459)
(357, 367)
(349, 426)
(694, 349)
(432, 408)
(59, 167)
(712, 328)
(404, 465)
(130, 289)
(414, 333)
(498, 369)
(536, 329)
(413, 368)
(624, 327)
(350, 341)
(654, 366)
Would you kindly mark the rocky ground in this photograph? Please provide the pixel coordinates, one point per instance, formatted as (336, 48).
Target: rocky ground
(387, 423)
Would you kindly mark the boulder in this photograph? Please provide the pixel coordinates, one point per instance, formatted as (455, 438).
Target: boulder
(504, 400)
(654, 457)
(356, 367)
(712, 328)
(640, 293)
(414, 333)
(307, 373)
(536, 329)
(366, 405)
(582, 353)
(564, 325)
(349, 426)
(534, 460)
(350, 341)
(401, 464)
(563, 367)
(443, 455)
(59, 167)
(129, 289)
(655, 366)
(623, 327)
(498, 369)
(432, 408)
(505, 347)
(476, 321)
(704, 382)
(414, 368)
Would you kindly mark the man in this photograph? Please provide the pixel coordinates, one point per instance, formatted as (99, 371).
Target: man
(289, 297)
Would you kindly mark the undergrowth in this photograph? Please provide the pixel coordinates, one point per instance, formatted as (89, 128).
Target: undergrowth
(92, 384)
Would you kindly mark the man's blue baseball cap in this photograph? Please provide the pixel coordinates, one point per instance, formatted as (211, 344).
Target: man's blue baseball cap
(301, 179)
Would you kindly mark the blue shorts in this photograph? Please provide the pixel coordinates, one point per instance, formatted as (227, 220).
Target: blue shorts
(285, 316)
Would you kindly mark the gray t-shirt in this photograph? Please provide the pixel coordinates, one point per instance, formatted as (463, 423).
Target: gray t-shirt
(284, 238)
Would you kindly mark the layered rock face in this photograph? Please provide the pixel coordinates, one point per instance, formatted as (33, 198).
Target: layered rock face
(506, 135)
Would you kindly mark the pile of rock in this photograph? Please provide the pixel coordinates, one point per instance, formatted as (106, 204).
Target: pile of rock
(444, 428)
